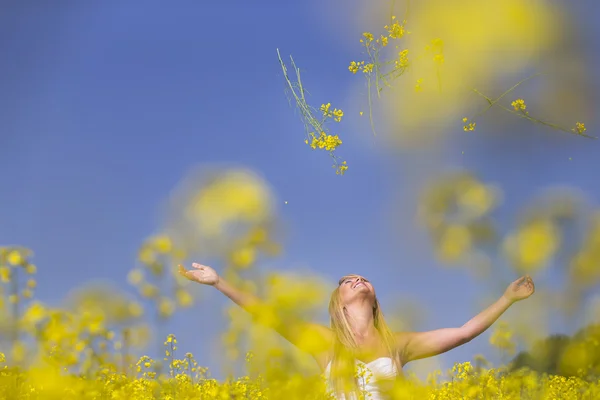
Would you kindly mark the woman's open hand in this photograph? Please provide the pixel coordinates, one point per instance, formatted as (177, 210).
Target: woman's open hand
(520, 289)
(201, 274)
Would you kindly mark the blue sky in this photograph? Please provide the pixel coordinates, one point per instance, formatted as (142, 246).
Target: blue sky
(105, 107)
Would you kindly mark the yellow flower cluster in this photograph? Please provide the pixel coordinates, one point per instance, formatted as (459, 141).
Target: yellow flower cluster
(152, 277)
(335, 114)
(469, 126)
(314, 124)
(519, 105)
(502, 338)
(579, 128)
(395, 30)
(402, 61)
(14, 262)
(185, 380)
(454, 209)
(437, 47)
(324, 141)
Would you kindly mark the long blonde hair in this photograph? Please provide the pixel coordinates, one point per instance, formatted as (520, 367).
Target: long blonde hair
(342, 373)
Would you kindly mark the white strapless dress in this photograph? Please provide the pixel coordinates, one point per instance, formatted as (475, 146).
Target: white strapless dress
(382, 368)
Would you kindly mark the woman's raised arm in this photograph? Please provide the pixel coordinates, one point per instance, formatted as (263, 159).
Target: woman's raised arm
(417, 345)
(313, 338)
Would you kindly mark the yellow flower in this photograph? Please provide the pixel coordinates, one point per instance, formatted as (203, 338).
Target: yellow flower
(30, 269)
(341, 168)
(355, 66)
(337, 115)
(163, 244)
(384, 40)
(244, 257)
(328, 142)
(15, 258)
(579, 128)
(368, 37)
(149, 290)
(395, 30)
(18, 351)
(35, 313)
(368, 68)
(13, 299)
(135, 309)
(5, 274)
(166, 307)
(135, 277)
(502, 337)
(519, 105)
(80, 346)
(418, 87)
(146, 255)
(31, 283)
(184, 298)
(469, 127)
(402, 61)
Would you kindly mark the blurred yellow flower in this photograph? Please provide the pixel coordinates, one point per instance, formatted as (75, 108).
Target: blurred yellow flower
(244, 257)
(147, 255)
(135, 309)
(15, 258)
(34, 313)
(163, 244)
(135, 277)
(184, 298)
(19, 350)
(30, 269)
(454, 243)
(166, 307)
(502, 337)
(5, 274)
(533, 245)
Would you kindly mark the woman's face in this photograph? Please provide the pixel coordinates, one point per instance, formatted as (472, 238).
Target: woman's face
(354, 287)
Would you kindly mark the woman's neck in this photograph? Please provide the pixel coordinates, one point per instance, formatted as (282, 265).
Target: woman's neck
(360, 317)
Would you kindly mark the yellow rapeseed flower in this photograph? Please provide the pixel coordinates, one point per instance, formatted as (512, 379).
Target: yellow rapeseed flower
(15, 258)
(368, 37)
(184, 298)
(579, 128)
(163, 244)
(519, 105)
(5, 274)
(166, 307)
(30, 269)
(135, 277)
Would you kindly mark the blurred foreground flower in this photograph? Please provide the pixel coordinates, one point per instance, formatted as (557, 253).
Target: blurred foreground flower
(212, 207)
(455, 210)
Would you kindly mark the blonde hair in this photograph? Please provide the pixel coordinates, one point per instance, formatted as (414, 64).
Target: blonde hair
(342, 373)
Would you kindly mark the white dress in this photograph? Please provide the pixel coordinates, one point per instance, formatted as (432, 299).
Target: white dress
(382, 368)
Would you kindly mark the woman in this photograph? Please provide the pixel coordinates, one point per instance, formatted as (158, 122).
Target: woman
(359, 334)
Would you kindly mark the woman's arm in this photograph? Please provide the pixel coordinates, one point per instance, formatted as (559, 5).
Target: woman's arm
(312, 338)
(417, 345)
